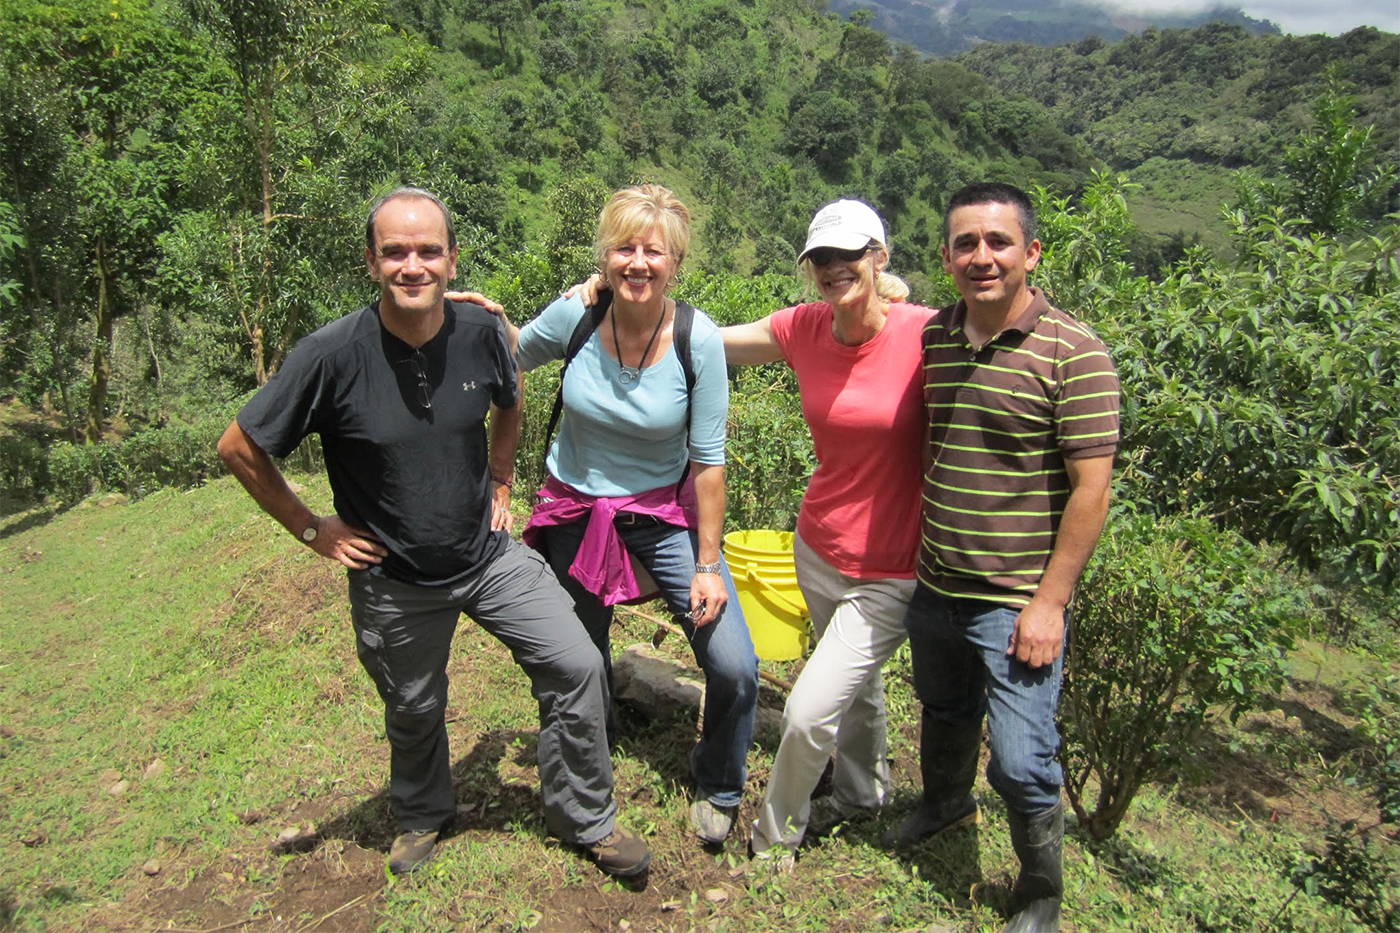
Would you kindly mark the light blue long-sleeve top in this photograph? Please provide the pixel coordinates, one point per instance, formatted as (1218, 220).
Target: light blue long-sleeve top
(619, 439)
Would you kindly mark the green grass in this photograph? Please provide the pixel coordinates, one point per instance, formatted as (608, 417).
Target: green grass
(188, 628)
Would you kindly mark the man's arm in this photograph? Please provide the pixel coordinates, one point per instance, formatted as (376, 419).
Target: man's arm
(503, 441)
(353, 547)
(1040, 628)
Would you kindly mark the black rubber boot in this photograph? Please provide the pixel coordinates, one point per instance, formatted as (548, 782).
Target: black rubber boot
(948, 763)
(1039, 841)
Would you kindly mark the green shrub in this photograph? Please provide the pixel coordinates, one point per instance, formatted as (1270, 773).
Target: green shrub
(72, 471)
(769, 450)
(179, 455)
(1356, 871)
(24, 470)
(541, 386)
(1174, 620)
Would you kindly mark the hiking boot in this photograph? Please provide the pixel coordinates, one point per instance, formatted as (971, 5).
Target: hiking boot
(826, 814)
(948, 765)
(711, 823)
(411, 851)
(1039, 842)
(929, 820)
(620, 853)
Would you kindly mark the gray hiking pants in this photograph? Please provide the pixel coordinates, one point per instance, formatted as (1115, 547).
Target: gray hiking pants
(403, 637)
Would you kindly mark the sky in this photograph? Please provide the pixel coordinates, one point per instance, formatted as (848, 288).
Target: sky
(1292, 16)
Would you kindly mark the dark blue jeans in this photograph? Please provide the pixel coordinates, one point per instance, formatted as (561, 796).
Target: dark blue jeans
(723, 648)
(962, 673)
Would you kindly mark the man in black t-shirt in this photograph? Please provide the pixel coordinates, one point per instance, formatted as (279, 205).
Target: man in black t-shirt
(400, 392)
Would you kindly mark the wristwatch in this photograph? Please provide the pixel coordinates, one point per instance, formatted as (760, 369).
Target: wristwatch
(308, 534)
(708, 568)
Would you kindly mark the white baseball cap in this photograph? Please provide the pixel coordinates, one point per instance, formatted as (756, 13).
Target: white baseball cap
(844, 224)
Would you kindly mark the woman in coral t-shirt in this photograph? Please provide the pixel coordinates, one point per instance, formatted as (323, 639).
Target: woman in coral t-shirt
(856, 354)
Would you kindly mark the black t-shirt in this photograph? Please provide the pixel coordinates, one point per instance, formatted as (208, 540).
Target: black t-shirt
(417, 477)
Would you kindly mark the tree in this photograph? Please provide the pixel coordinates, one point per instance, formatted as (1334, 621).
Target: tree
(311, 118)
(1172, 619)
(1332, 167)
(861, 45)
(121, 75)
(573, 207)
(827, 129)
(501, 16)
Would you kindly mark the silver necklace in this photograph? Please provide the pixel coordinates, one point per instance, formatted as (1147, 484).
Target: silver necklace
(627, 374)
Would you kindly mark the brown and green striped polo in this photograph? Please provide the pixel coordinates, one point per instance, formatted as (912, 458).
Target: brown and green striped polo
(1003, 419)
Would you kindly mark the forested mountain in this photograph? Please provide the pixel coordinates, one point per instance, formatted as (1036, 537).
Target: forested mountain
(182, 183)
(1180, 110)
(944, 27)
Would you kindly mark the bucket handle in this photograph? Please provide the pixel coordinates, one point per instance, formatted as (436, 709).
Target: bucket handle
(774, 593)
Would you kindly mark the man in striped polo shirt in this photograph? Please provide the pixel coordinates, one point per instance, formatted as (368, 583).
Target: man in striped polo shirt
(1022, 402)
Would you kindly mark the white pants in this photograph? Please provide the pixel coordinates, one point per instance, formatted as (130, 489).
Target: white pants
(838, 702)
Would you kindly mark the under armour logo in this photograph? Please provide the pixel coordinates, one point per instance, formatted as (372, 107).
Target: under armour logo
(468, 386)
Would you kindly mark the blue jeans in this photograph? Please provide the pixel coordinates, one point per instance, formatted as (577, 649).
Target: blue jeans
(723, 648)
(962, 673)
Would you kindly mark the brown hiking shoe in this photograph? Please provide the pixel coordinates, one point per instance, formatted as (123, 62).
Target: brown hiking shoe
(620, 853)
(411, 851)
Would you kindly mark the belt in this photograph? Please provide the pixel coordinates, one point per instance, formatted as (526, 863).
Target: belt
(634, 518)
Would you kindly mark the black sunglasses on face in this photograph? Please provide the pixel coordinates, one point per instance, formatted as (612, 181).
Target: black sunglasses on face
(823, 255)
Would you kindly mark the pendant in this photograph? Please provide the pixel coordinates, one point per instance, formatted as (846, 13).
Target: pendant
(627, 376)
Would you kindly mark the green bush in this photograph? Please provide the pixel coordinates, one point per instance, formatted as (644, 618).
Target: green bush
(179, 455)
(1174, 621)
(72, 471)
(24, 470)
(769, 450)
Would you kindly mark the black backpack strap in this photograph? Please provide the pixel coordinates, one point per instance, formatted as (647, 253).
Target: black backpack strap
(680, 338)
(587, 324)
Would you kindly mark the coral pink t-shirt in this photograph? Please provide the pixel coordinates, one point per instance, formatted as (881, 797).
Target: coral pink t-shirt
(864, 407)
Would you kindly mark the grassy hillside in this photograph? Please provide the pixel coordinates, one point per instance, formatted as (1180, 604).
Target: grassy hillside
(186, 741)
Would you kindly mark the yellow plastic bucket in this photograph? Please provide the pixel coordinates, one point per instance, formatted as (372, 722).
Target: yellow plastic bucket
(766, 580)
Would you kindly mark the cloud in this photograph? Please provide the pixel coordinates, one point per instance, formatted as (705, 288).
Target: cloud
(1292, 16)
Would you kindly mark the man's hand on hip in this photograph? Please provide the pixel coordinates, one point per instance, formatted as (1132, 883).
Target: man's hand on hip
(353, 547)
(501, 519)
(1039, 635)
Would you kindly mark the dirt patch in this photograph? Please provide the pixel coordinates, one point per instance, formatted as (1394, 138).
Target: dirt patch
(1275, 774)
(336, 886)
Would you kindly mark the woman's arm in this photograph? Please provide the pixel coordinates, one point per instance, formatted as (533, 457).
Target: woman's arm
(707, 589)
(751, 343)
(744, 344)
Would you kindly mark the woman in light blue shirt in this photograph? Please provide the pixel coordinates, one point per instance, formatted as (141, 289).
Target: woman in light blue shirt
(636, 473)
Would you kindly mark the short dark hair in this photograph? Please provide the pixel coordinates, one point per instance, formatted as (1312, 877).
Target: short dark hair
(992, 192)
(408, 191)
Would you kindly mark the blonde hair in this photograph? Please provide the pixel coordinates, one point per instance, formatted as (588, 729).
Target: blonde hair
(888, 286)
(634, 211)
